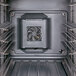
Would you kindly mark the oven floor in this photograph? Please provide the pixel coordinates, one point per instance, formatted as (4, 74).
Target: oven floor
(23, 68)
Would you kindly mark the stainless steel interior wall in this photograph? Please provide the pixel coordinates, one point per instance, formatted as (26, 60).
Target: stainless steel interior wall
(39, 4)
(20, 7)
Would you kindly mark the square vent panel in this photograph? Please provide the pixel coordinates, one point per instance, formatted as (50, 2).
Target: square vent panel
(34, 33)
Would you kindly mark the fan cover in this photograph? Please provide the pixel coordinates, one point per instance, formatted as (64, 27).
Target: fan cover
(34, 33)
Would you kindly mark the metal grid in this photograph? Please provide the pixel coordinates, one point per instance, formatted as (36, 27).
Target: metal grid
(70, 42)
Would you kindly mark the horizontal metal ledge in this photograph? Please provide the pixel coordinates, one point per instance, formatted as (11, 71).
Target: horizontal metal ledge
(43, 57)
(3, 4)
(63, 12)
(73, 4)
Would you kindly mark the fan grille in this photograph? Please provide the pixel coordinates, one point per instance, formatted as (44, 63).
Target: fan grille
(34, 33)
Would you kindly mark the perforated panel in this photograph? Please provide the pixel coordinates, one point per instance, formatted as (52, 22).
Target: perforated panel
(34, 33)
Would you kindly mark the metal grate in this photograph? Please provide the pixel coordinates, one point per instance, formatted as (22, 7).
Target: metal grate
(34, 33)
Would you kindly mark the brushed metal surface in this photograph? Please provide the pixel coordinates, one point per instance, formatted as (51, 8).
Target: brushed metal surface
(39, 4)
(56, 11)
(57, 19)
(29, 68)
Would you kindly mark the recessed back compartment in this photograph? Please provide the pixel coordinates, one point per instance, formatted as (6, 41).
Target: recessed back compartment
(50, 37)
(32, 30)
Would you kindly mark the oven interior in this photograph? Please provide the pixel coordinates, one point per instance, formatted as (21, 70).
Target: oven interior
(37, 37)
